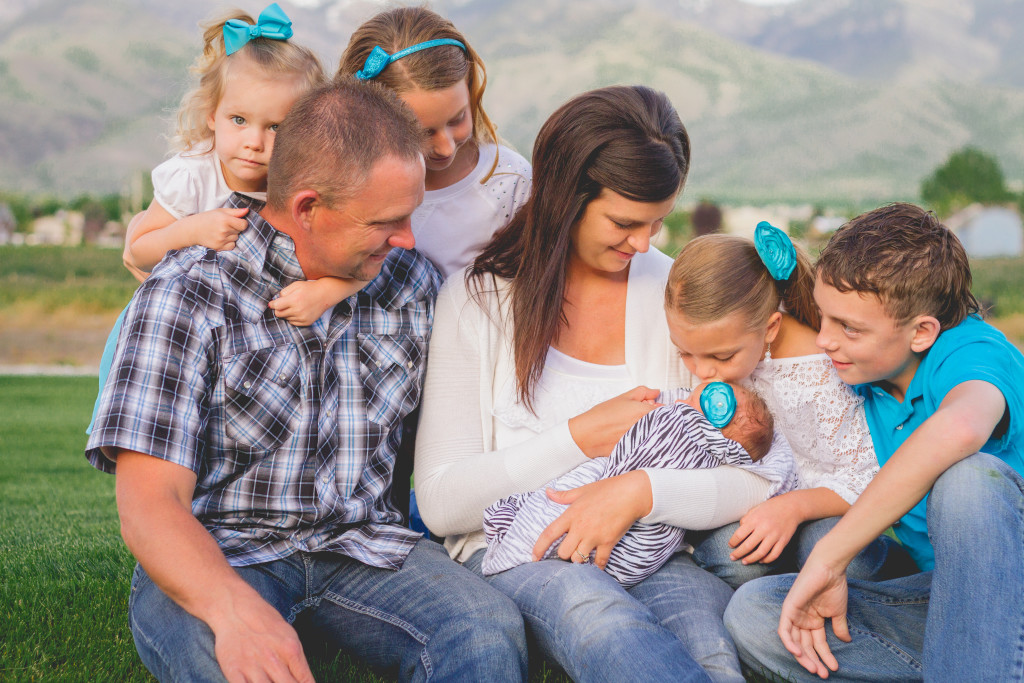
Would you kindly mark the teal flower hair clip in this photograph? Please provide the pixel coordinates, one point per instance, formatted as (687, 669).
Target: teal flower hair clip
(718, 401)
(775, 249)
(273, 23)
(378, 59)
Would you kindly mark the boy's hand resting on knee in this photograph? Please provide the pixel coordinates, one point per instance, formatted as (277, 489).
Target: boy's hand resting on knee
(819, 593)
(303, 302)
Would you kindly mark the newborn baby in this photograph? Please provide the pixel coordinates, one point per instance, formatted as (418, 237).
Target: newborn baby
(676, 436)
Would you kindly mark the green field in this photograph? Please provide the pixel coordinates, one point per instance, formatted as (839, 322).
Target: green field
(66, 572)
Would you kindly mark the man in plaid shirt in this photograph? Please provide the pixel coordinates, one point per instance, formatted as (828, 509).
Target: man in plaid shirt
(254, 459)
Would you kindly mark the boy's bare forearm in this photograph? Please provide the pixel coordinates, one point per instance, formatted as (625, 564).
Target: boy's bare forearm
(960, 427)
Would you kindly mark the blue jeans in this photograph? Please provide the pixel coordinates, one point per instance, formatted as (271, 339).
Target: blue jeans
(430, 620)
(963, 621)
(884, 558)
(665, 628)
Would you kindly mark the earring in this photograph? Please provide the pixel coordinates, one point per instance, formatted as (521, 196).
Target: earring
(767, 354)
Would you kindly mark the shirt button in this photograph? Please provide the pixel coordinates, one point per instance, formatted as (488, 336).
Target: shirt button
(378, 364)
(282, 377)
(410, 365)
(247, 385)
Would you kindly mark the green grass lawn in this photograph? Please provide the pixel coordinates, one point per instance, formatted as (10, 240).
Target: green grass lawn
(65, 571)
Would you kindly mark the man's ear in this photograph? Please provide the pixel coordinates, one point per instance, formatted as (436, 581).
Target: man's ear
(926, 331)
(304, 206)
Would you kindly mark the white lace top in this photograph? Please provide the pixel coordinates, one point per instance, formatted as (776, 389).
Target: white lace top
(823, 419)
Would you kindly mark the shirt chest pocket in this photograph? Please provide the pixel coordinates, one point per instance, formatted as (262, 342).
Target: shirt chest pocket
(262, 396)
(391, 370)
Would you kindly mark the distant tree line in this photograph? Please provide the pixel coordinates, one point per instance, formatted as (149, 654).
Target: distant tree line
(968, 176)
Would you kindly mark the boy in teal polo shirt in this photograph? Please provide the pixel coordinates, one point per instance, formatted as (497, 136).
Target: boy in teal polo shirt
(944, 397)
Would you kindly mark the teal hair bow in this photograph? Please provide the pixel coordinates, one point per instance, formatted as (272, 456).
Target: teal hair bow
(775, 249)
(718, 401)
(378, 59)
(273, 23)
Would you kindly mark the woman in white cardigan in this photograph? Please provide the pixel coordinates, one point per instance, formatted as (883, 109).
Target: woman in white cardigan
(542, 355)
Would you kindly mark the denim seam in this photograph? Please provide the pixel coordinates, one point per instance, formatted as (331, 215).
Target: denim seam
(138, 633)
(375, 613)
(899, 652)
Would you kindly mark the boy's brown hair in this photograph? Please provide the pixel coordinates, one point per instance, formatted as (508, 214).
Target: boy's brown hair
(907, 258)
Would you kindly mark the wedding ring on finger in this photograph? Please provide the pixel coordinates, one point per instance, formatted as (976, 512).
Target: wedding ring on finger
(583, 558)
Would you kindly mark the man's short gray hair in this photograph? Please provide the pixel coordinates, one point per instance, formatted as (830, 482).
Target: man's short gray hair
(334, 135)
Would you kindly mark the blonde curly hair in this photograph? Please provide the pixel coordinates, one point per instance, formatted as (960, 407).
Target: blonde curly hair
(276, 57)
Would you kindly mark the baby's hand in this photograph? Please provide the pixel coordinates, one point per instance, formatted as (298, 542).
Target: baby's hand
(218, 229)
(302, 303)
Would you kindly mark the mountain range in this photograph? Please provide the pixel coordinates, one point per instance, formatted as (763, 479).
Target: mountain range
(828, 101)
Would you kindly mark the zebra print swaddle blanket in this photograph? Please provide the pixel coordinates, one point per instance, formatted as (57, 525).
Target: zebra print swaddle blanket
(674, 436)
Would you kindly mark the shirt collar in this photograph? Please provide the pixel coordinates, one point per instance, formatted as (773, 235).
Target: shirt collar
(401, 280)
(268, 250)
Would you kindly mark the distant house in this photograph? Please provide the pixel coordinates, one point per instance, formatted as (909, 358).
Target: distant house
(988, 231)
(7, 224)
(741, 220)
(62, 228)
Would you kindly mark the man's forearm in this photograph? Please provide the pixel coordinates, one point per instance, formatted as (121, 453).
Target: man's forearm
(177, 552)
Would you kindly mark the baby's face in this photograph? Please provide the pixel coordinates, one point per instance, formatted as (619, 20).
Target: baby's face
(693, 400)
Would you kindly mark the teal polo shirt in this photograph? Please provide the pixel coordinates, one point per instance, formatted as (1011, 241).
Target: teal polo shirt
(973, 350)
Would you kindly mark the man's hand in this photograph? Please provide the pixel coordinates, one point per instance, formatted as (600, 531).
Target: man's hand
(817, 594)
(253, 642)
(599, 514)
(256, 644)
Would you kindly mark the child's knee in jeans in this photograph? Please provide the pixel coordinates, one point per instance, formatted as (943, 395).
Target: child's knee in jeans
(711, 553)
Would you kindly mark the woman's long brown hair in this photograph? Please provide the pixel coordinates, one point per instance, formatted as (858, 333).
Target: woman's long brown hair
(628, 139)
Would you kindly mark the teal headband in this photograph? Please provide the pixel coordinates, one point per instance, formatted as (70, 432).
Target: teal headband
(718, 401)
(775, 249)
(378, 59)
(273, 23)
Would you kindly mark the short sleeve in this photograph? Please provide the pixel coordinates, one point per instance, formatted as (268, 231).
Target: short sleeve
(520, 177)
(990, 360)
(153, 401)
(189, 184)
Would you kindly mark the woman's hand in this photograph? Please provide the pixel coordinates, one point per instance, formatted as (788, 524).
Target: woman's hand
(598, 516)
(598, 430)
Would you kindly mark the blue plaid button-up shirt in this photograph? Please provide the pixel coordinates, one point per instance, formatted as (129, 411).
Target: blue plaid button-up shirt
(292, 432)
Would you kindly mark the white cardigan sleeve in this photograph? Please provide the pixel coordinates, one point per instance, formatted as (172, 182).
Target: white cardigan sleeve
(457, 471)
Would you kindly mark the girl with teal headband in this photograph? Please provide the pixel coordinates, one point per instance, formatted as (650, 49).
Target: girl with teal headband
(474, 184)
(249, 75)
(742, 311)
